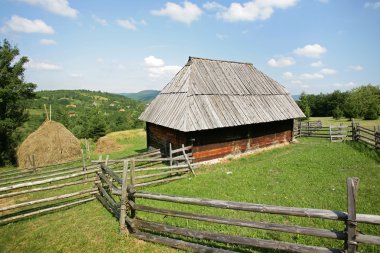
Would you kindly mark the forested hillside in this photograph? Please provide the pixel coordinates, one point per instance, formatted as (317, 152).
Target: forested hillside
(361, 102)
(87, 114)
(144, 95)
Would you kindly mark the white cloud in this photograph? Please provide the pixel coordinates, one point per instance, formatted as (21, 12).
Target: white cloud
(187, 14)
(60, 7)
(130, 25)
(296, 82)
(253, 10)
(375, 5)
(317, 64)
(152, 61)
(76, 75)
(157, 67)
(213, 6)
(349, 84)
(308, 76)
(315, 51)
(327, 71)
(100, 21)
(163, 71)
(288, 76)
(23, 25)
(281, 62)
(121, 67)
(47, 42)
(42, 65)
(100, 60)
(221, 36)
(356, 68)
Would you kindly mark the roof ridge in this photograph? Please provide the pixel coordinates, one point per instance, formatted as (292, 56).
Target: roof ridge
(207, 59)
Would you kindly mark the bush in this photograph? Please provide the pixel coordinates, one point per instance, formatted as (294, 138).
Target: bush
(337, 113)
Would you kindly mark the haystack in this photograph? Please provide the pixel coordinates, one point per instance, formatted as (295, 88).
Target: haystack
(51, 143)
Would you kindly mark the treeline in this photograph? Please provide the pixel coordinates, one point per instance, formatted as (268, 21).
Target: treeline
(87, 114)
(362, 102)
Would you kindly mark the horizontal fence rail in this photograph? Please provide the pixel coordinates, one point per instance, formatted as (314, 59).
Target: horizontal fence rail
(162, 233)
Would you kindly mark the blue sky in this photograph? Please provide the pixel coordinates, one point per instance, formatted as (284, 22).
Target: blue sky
(127, 46)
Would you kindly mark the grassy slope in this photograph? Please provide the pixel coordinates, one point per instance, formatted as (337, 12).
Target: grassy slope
(309, 174)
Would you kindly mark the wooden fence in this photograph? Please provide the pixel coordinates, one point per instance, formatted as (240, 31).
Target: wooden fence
(163, 233)
(112, 186)
(354, 132)
(41, 193)
(370, 137)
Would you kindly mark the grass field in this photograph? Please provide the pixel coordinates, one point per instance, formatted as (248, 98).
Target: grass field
(327, 121)
(311, 173)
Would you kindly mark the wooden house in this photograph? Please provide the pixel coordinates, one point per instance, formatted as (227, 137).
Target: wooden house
(220, 107)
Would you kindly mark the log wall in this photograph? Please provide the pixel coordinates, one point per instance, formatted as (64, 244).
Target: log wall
(216, 143)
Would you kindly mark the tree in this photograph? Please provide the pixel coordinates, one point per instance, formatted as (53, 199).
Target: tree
(364, 102)
(14, 92)
(337, 113)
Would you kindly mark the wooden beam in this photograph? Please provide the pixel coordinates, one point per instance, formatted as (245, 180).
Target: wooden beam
(260, 208)
(247, 241)
(17, 186)
(178, 244)
(244, 223)
(124, 198)
(33, 202)
(18, 217)
(12, 194)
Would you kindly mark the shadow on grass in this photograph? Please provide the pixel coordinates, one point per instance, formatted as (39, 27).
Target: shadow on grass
(366, 150)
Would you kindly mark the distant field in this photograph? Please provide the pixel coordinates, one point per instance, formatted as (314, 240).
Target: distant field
(311, 173)
(327, 121)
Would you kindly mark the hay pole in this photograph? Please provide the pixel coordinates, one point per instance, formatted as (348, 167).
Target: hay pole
(50, 112)
(46, 210)
(27, 184)
(46, 112)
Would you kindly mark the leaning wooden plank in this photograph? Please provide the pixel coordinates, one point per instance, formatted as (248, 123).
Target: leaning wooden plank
(247, 241)
(161, 181)
(162, 173)
(187, 160)
(177, 244)
(104, 179)
(162, 168)
(244, 223)
(107, 205)
(366, 142)
(107, 196)
(179, 150)
(368, 239)
(17, 186)
(261, 208)
(14, 218)
(111, 173)
(367, 138)
(7, 195)
(38, 201)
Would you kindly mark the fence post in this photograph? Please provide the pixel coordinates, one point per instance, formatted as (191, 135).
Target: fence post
(351, 225)
(308, 128)
(133, 164)
(300, 128)
(34, 163)
(123, 201)
(170, 154)
(84, 162)
(353, 127)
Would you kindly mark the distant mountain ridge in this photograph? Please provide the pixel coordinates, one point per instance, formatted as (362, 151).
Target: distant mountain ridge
(144, 95)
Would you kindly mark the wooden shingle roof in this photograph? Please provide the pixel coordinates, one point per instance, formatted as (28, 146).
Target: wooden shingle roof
(208, 94)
